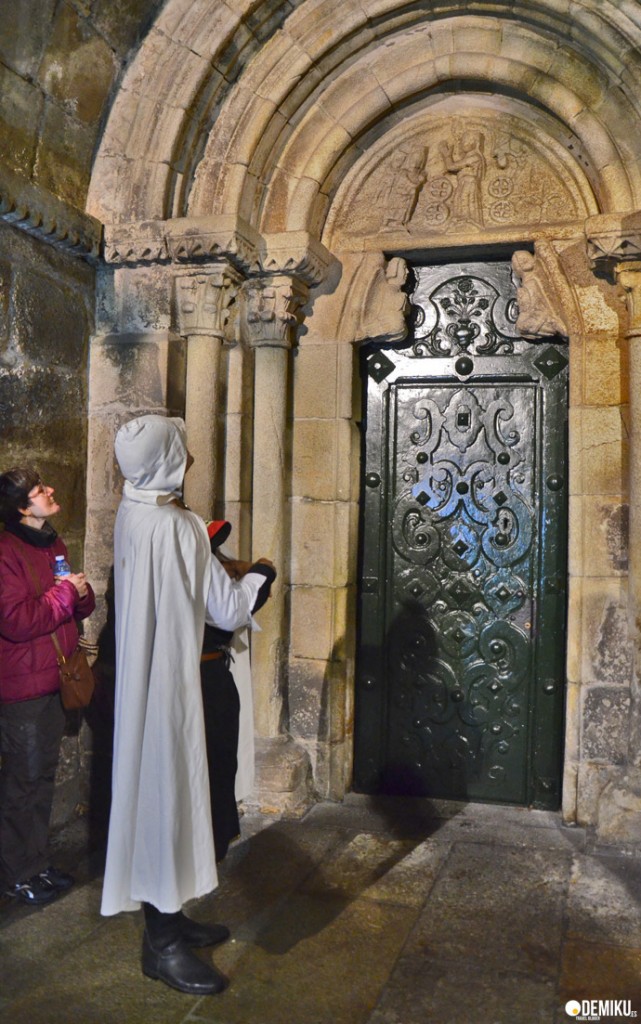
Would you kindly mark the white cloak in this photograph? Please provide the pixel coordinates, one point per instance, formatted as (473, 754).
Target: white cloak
(241, 671)
(160, 848)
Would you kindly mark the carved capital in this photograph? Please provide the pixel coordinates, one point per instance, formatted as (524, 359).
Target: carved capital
(541, 307)
(613, 238)
(295, 253)
(204, 300)
(39, 213)
(273, 310)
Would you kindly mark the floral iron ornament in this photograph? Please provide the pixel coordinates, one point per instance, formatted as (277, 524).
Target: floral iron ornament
(459, 317)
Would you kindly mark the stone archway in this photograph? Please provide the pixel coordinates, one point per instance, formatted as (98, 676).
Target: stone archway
(237, 180)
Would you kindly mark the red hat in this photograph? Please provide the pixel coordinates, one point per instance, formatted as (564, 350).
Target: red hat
(218, 532)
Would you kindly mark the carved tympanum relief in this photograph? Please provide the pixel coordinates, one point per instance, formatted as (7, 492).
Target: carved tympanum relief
(459, 174)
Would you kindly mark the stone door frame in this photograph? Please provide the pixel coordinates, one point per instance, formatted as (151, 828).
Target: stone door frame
(550, 299)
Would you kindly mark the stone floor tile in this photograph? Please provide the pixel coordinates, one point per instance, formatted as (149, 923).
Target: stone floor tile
(423, 991)
(604, 903)
(400, 817)
(591, 970)
(496, 905)
(509, 832)
(43, 935)
(257, 874)
(448, 821)
(98, 982)
(320, 961)
(375, 867)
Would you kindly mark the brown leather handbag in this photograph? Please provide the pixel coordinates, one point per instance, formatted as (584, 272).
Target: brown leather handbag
(77, 681)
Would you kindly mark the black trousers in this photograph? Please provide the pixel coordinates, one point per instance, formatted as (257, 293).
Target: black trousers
(221, 708)
(30, 735)
(162, 929)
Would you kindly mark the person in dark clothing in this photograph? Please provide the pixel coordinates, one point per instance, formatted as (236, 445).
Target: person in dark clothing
(33, 606)
(221, 701)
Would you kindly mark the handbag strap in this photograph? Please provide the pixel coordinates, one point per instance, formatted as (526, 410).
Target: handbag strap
(36, 582)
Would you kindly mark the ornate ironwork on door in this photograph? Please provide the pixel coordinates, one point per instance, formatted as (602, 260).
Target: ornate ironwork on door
(462, 596)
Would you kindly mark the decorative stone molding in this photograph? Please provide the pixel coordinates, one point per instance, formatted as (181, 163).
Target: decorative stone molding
(613, 238)
(135, 243)
(41, 214)
(185, 239)
(537, 296)
(204, 300)
(295, 253)
(273, 310)
(214, 238)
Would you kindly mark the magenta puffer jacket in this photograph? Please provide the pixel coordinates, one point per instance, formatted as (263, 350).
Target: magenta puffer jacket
(28, 661)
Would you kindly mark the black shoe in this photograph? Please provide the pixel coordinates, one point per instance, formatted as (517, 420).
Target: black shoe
(178, 967)
(34, 891)
(58, 880)
(200, 935)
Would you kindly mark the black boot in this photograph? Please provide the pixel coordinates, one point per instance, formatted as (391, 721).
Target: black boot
(167, 956)
(198, 935)
(177, 966)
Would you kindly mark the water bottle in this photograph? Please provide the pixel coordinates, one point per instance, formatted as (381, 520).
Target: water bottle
(61, 568)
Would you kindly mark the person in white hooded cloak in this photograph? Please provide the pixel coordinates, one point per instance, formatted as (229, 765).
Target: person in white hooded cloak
(160, 849)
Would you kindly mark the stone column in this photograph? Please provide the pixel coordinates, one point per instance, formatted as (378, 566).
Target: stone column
(272, 307)
(289, 265)
(614, 245)
(629, 277)
(203, 301)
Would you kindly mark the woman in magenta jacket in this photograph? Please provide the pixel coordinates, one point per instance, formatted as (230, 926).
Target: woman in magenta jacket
(32, 606)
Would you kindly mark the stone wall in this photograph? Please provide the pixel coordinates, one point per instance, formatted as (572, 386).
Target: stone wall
(46, 318)
(59, 62)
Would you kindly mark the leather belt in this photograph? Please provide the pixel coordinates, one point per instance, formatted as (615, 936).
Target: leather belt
(212, 656)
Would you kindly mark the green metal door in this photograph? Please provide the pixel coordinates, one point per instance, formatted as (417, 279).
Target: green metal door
(463, 574)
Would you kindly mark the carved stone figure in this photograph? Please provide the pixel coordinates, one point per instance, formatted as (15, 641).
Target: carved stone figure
(465, 160)
(399, 196)
(385, 304)
(538, 317)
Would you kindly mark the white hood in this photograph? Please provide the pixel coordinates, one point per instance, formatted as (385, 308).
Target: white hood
(152, 455)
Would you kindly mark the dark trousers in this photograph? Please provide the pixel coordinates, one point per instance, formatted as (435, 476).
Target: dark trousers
(221, 708)
(162, 929)
(30, 735)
